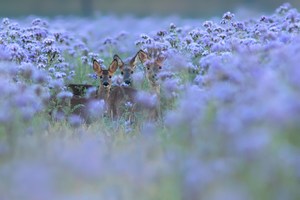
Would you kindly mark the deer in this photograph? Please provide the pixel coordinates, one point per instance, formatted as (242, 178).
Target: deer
(127, 68)
(153, 63)
(105, 76)
(79, 103)
(113, 96)
(79, 89)
(76, 104)
(119, 99)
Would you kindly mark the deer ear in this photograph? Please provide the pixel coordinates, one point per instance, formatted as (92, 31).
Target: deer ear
(119, 60)
(113, 66)
(97, 67)
(133, 62)
(160, 59)
(143, 56)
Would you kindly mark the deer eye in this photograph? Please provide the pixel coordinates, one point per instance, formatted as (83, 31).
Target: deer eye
(148, 68)
(109, 76)
(131, 72)
(101, 77)
(159, 67)
(122, 73)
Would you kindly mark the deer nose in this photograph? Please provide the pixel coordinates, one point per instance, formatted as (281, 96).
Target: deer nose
(105, 84)
(128, 82)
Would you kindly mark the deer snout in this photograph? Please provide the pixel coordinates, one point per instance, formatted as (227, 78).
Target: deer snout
(154, 77)
(106, 83)
(127, 82)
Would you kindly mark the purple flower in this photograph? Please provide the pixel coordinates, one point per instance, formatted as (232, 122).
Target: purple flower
(87, 159)
(59, 75)
(4, 53)
(56, 84)
(48, 41)
(33, 180)
(39, 77)
(39, 33)
(284, 8)
(91, 92)
(39, 22)
(172, 26)
(195, 49)
(96, 108)
(84, 60)
(62, 66)
(148, 130)
(95, 56)
(108, 41)
(178, 62)
(189, 111)
(27, 70)
(228, 16)
(147, 100)
(5, 113)
(64, 95)
(75, 120)
(171, 87)
(208, 24)
(27, 113)
(5, 21)
(16, 52)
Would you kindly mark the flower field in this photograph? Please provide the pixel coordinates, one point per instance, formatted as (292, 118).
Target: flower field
(229, 108)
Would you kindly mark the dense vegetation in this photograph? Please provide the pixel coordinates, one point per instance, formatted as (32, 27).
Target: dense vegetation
(229, 127)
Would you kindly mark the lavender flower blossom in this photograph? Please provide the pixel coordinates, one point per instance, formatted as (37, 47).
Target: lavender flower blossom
(147, 100)
(75, 120)
(64, 95)
(96, 108)
(4, 54)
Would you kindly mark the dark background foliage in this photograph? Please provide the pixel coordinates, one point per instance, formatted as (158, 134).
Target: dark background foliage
(188, 8)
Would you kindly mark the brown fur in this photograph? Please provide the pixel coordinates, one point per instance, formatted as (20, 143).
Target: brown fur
(123, 100)
(120, 99)
(127, 68)
(153, 62)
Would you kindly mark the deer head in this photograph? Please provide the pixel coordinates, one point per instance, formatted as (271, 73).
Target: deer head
(105, 76)
(127, 68)
(153, 66)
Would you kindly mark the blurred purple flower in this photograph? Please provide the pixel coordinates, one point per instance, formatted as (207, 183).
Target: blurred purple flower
(189, 111)
(86, 159)
(96, 108)
(91, 92)
(27, 70)
(284, 8)
(148, 130)
(39, 77)
(56, 84)
(84, 60)
(5, 113)
(16, 52)
(228, 16)
(146, 99)
(64, 95)
(4, 53)
(5, 21)
(48, 41)
(39, 22)
(75, 120)
(33, 181)
(59, 75)
(170, 87)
